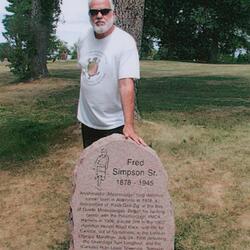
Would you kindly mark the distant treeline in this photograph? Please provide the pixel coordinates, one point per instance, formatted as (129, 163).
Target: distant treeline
(197, 30)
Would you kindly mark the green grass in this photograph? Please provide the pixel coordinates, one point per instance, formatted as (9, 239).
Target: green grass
(60, 246)
(192, 93)
(186, 99)
(193, 233)
(28, 129)
(24, 139)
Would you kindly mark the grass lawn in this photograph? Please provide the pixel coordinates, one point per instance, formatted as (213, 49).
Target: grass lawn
(197, 118)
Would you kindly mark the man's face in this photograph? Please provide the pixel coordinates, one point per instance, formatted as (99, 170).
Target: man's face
(103, 19)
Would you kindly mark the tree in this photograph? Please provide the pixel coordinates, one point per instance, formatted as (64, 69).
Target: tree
(29, 30)
(196, 29)
(57, 48)
(130, 17)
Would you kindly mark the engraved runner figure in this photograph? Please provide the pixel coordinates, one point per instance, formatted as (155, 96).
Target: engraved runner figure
(101, 164)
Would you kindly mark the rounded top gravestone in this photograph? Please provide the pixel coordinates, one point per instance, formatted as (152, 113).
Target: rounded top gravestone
(120, 198)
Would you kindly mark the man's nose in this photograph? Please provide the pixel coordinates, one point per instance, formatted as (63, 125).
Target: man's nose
(99, 15)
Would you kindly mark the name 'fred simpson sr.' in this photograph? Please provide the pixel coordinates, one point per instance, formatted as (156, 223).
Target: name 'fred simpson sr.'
(133, 172)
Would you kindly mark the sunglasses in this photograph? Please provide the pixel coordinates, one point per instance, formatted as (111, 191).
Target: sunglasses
(94, 12)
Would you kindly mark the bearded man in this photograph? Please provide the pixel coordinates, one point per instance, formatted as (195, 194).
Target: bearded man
(109, 63)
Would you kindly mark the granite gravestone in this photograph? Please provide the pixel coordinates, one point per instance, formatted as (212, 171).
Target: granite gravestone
(120, 199)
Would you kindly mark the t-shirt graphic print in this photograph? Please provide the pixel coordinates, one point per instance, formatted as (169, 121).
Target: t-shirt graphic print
(94, 67)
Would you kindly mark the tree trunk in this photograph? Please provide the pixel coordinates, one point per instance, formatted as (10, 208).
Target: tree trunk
(40, 38)
(130, 17)
(213, 54)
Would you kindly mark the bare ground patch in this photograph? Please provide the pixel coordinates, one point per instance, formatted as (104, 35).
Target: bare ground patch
(23, 92)
(244, 220)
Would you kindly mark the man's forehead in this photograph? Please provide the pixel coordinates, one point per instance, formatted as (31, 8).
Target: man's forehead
(100, 4)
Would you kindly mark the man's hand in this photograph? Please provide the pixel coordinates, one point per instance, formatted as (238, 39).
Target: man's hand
(129, 132)
(127, 97)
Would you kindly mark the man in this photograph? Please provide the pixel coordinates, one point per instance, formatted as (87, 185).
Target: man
(109, 61)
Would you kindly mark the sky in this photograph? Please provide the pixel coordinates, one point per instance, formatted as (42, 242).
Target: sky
(74, 20)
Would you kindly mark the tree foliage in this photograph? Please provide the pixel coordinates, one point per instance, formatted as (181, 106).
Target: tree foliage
(29, 31)
(57, 48)
(73, 51)
(196, 29)
(4, 51)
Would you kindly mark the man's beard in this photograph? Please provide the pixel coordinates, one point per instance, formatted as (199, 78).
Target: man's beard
(103, 28)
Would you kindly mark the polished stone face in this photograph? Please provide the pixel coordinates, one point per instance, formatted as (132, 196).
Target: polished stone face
(120, 198)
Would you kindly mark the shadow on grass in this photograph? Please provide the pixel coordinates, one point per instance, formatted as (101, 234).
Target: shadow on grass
(28, 135)
(23, 139)
(192, 94)
(73, 74)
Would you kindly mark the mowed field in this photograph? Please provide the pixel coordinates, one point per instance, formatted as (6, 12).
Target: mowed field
(196, 117)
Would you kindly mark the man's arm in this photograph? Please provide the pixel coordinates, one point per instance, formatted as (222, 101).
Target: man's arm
(127, 93)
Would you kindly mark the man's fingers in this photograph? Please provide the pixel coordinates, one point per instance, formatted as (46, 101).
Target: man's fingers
(133, 136)
(136, 139)
(142, 141)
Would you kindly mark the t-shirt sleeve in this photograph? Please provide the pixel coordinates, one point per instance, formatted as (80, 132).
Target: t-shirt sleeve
(129, 66)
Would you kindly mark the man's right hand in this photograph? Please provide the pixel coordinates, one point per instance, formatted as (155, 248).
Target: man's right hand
(129, 132)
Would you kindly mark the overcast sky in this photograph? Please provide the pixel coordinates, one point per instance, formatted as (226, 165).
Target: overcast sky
(73, 20)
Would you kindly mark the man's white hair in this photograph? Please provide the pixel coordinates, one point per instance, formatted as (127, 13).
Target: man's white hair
(112, 6)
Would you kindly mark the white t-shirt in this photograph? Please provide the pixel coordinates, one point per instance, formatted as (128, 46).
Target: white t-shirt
(103, 62)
